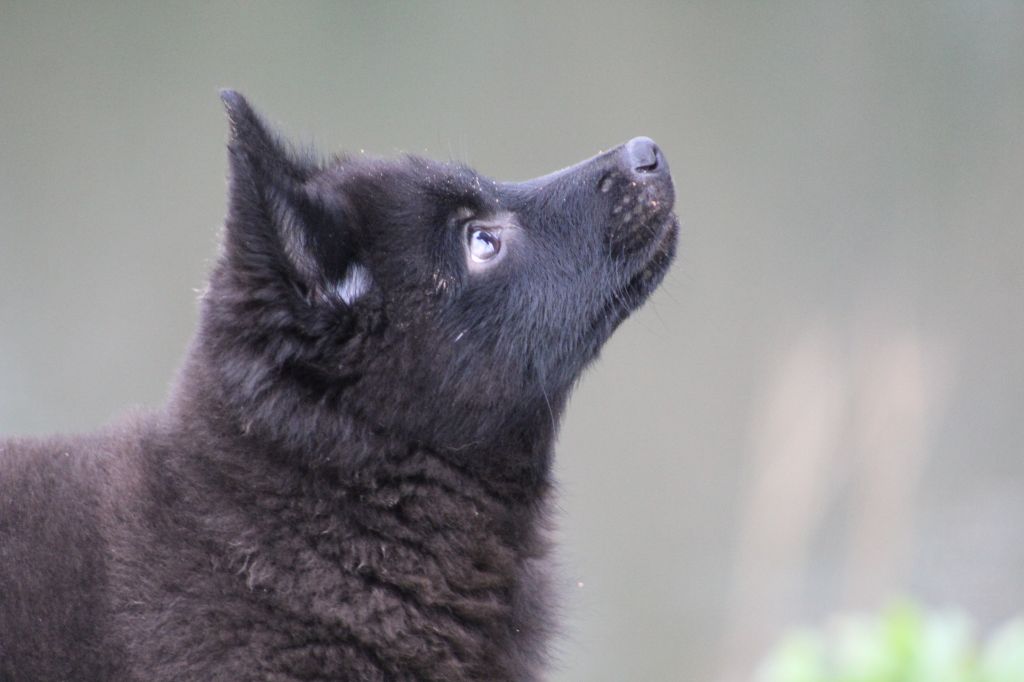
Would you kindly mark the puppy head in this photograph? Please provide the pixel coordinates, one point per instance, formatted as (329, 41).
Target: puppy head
(421, 298)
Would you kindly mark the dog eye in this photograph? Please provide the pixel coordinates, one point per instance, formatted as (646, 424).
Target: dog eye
(483, 244)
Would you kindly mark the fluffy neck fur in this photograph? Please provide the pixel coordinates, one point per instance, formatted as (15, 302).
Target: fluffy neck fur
(402, 562)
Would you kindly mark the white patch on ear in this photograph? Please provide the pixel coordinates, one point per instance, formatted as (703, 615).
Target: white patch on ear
(356, 283)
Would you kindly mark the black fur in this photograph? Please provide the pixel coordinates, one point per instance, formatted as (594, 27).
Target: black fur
(338, 489)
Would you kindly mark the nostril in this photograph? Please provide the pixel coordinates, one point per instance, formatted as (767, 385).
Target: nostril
(643, 155)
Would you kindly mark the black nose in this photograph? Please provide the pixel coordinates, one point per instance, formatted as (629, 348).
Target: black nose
(643, 156)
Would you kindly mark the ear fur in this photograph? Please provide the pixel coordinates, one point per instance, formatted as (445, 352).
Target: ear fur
(277, 215)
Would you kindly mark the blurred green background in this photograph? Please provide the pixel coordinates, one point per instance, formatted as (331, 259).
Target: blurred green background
(822, 406)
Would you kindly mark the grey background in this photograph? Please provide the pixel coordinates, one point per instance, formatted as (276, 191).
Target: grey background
(820, 409)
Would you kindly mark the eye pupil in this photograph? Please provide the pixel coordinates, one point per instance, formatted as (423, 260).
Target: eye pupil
(483, 245)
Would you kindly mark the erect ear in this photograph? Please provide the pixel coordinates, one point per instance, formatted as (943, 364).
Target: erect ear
(279, 217)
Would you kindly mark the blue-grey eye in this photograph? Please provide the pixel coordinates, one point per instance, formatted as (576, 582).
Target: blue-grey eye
(483, 244)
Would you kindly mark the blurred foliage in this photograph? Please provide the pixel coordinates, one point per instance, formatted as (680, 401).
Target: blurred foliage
(903, 644)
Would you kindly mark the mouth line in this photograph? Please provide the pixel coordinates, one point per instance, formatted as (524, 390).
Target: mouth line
(663, 234)
(659, 257)
(669, 225)
(624, 300)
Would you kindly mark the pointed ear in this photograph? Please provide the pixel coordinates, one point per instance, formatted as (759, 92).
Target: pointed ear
(277, 215)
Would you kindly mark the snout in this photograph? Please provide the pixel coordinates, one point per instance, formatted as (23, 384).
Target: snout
(628, 192)
(640, 188)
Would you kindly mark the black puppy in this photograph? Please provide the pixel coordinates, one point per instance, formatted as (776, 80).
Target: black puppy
(350, 479)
